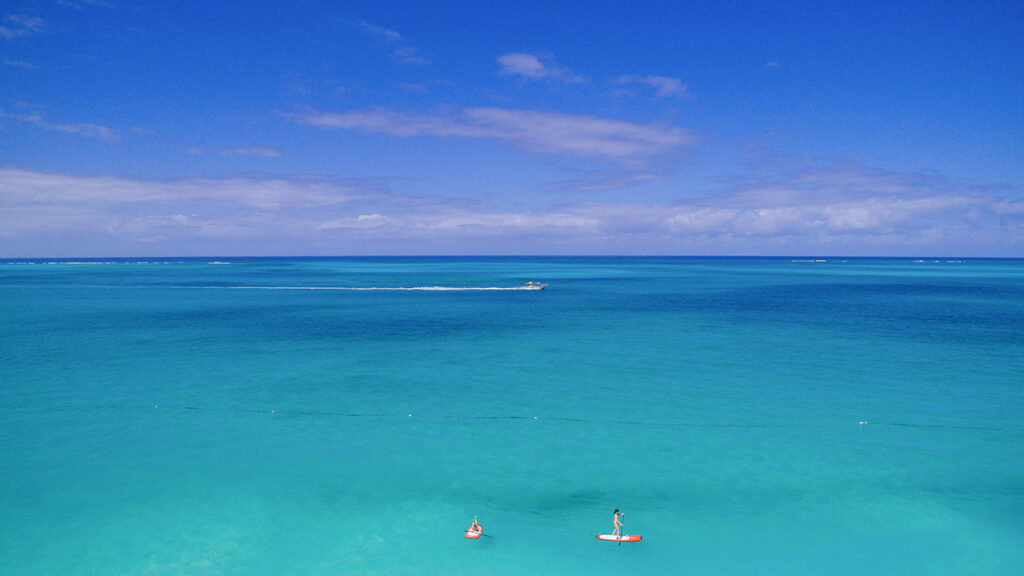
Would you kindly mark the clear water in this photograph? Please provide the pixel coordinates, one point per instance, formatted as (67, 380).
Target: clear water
(186, 417)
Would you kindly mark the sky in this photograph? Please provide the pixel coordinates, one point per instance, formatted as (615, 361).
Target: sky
(306, 128)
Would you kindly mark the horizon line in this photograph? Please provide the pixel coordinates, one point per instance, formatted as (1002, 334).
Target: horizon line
(428, 256)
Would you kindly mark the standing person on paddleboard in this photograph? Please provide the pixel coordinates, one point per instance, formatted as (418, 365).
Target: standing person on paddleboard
(617, 522)
(617, 535)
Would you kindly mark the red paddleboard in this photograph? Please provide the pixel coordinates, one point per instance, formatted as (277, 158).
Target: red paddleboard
(474, 534)
(623, 538)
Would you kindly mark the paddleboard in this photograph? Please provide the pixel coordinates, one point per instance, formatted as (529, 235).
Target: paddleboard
(623, 538)
(474, 534)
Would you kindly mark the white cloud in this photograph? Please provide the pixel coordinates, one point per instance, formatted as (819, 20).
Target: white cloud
(525, 65)
(362, 221)
(665, 87)
(532, 67)
(549, 133)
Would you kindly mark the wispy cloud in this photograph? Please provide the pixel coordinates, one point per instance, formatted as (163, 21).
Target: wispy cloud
(605, 179)
(18, 63)
(664, 86)
(82, 4)
(261, 151)
(548, 133)
(533, 67)
(404, 53)
(18, 25)
(831, 210)
(408, 55)
(85, 129)
(19, 187)
(378, 31)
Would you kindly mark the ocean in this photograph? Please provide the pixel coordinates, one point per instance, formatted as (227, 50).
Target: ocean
(350, 416)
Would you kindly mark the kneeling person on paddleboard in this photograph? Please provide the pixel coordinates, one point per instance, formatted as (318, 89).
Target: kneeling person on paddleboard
(475, 530)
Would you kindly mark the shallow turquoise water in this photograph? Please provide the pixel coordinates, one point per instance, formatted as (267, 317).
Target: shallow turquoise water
(187, 417)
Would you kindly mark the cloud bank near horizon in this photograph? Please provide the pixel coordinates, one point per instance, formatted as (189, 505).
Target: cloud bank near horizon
(347, 129)
(835, 210)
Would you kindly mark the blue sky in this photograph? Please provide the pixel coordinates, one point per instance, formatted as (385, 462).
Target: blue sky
(365, 128)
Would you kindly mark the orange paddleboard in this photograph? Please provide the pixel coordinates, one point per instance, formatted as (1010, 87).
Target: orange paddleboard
(474, 534)
(623, 538)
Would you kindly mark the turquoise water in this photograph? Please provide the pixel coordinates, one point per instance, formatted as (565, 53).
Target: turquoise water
(189, 417)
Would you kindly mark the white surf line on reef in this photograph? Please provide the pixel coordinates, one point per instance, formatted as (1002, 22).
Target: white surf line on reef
(368, 288)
